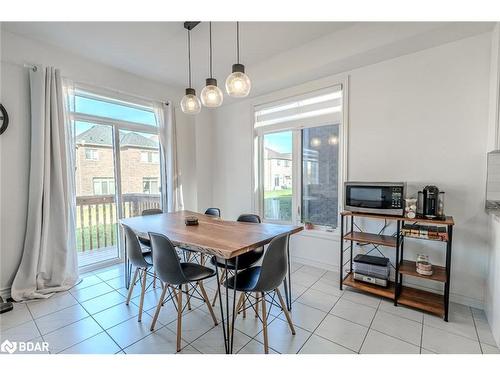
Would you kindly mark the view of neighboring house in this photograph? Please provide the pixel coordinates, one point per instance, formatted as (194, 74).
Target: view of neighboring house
(139, 159)
(277, 169)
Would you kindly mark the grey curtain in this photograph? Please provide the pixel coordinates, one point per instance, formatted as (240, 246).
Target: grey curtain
(49, 260)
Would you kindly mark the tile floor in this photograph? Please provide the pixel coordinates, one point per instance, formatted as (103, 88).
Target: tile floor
(93, 318)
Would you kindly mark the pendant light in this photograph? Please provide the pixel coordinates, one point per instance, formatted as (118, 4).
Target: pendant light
(211, 95)
(237, 83)
(190, 103)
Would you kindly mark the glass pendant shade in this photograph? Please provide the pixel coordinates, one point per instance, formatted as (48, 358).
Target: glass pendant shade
(190, 103)
(238, 84)
(211, 95)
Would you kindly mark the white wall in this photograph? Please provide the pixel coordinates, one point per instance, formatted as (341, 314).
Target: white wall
(420, 118)
(15, 142)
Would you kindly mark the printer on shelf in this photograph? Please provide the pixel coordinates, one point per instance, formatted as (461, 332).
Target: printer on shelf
(371, 269)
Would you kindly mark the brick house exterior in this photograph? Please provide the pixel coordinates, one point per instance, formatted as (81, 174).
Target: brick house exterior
(139, 157)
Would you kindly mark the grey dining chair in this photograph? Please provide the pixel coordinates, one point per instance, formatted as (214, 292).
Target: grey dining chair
(142, 261)
(264, 280)
(174, 276)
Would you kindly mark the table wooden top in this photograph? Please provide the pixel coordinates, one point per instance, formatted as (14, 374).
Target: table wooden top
(212, 235)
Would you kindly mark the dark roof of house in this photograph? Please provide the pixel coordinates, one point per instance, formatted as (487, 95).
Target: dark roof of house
(273, 154)
(103, 136)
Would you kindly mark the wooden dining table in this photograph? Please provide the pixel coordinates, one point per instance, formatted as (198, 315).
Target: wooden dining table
(214, 236)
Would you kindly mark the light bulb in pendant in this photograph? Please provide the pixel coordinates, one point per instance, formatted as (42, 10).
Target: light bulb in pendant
(211, 95)
(190, 103)
(238, 84)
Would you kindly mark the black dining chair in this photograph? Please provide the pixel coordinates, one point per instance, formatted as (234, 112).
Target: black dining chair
(150, 211)
(264, 280)
(245, 260)
(174, 276)
(142, 261)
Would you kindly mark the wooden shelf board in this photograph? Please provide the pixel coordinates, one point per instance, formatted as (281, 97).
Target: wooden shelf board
(447, 221)
(407, 267)
(378, 239)
(423, 300)
(370, 288)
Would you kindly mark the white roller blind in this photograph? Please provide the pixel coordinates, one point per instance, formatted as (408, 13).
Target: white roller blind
(318, 107)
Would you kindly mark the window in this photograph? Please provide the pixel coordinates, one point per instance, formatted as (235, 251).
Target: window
(150, 185)
(91, 154)
(299, 158)
(150, 157)
(104, 185)
(118, 134)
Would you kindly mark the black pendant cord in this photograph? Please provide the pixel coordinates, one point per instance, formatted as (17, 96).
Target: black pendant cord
(210, 33)
(238, 42)
(189, 57)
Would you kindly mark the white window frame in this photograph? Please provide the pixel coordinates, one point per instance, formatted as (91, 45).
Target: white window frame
(117, 125)
(258, 152)
(91, 151)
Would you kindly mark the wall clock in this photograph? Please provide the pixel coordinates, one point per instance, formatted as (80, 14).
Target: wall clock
(4, 119)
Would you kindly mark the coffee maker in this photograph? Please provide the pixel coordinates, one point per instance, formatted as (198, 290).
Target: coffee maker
(431, 203)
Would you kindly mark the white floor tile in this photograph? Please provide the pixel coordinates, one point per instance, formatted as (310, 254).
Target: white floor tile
(103, 302)
(212, 342)
(87, 281)
(484, 332)
(117, 282)
(378, 343)
(395, 326)
(459, 324)
(255, 347)
(194, 324)
(130, 331)
(72, 334)
(319, 345)
(402, 311)
(250, 325)
(112, 273)
(19, 315)
(281, 339)
(315, 271)
(163, 341)
(355, 312)
(304, 279)
(327, 287)
(342, 332)
(52, 304)
(318, 300)
(362, 298)
(98, 344)
(22, 332)
(116, 315)
(151, 298)
(97, 290)
(188, 350)
(304, 316)
(490, 349)
(443, 342)
(61, 318)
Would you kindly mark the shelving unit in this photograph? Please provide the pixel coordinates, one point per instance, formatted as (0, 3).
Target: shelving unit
(434, 303)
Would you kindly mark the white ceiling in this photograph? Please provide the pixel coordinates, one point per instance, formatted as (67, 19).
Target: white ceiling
(158, 50)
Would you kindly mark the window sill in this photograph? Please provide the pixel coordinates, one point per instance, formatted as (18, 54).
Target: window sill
(321, 233)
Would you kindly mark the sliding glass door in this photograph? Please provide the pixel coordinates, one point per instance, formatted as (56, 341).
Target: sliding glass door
(118, 172)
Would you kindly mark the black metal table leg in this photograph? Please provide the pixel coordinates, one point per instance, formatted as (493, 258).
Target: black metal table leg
(448, 273)
(222, 308)
(288, 291)
(234, 305)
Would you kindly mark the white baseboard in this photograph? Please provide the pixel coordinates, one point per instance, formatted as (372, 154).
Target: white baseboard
(454, 297)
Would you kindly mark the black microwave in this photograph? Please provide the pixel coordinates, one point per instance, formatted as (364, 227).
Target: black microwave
(385, 198)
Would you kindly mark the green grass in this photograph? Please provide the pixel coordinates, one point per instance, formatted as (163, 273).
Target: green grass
(278, 193)
(108, 231)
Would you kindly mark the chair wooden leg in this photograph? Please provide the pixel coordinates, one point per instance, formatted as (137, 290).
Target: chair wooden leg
(188, 298)
(131, 286)
(179, 318)
(223, 273)
(256, 305)
(244, 306)
(158, 308)
(207, 301)
(154, 280)
(285, 311)
(240, 302)
(264, 323)
(143, 291)
(202, 259)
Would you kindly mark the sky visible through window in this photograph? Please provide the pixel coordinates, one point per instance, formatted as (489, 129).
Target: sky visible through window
(111, 110)
(280, 142)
